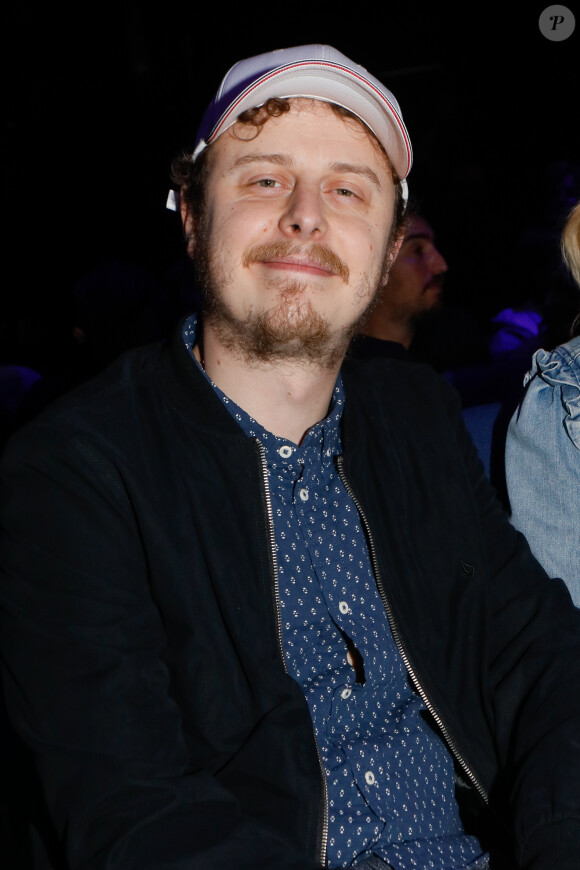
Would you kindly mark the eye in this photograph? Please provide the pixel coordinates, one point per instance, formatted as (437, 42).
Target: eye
(268, 182)
(344, 191)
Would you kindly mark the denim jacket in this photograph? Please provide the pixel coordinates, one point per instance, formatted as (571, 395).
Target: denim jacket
(543, 462)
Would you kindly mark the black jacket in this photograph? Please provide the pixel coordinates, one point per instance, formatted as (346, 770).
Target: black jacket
(139, 623)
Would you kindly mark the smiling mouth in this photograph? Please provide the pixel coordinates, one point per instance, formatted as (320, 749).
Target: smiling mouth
(291, 265)
(315, 259)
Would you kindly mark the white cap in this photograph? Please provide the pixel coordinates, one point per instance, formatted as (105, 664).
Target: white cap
(317, 72)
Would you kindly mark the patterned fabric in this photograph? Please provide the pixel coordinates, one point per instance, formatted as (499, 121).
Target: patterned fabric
(390, 778)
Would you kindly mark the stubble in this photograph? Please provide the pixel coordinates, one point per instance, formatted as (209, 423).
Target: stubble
(291, 329)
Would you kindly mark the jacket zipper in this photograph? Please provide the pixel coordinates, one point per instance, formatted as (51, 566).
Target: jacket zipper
(399, 644)
(272, 540)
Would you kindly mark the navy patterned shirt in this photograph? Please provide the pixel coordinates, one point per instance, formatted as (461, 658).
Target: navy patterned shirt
(390, 778)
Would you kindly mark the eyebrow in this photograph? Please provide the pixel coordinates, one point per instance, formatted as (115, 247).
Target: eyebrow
(279, 159)
(355, 169)
(288, 160)
(425, 236)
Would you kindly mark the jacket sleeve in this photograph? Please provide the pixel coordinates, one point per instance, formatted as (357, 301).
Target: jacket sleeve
(534, 670)
(85, 680)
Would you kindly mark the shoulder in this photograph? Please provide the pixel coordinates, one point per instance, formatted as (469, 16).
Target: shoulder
(550, 408)
(400, 382)
(105, 401)
(127, 420)
(559, 366)
(82, 444)
(403, 408)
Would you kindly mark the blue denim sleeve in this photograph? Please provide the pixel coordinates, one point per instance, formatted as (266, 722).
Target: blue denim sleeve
(543, 463)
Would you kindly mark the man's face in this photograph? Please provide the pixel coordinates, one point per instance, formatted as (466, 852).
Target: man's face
(416, 277)
(294, 238)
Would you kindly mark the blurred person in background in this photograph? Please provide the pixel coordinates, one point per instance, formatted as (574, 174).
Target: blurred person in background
(412, 292)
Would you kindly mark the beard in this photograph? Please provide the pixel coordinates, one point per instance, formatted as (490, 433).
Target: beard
(291, 330)
(412, 309)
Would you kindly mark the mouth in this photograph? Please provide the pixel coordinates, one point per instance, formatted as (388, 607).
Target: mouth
(434, 286)
(316, 260)
(297, 264)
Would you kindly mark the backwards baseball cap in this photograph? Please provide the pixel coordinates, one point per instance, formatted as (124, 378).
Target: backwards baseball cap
(318, 72)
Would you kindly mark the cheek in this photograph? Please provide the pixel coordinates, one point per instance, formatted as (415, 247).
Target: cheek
(243, 227)
(378, 237)
(378, 261)
(362, 248)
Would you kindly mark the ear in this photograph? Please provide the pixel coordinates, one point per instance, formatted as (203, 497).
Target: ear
(188, 225)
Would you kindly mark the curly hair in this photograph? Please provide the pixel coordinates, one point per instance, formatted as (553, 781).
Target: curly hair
(191, 176)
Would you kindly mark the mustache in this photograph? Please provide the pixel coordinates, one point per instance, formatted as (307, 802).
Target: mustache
(437, 280)
(316, 253)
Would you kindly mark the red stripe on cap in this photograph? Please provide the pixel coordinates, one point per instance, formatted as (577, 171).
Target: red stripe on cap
(214, 134)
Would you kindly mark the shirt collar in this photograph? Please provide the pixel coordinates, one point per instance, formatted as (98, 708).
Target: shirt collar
(320, 443)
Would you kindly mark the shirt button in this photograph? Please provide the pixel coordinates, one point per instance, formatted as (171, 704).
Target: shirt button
(346, 693)
(343, 607)
(303, 493)
(369, 777)
(285, 451)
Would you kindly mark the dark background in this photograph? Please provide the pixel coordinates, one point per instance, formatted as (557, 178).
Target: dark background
(97, 102)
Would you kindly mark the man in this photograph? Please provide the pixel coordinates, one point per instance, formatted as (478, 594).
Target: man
(413, 291)
(261, 611)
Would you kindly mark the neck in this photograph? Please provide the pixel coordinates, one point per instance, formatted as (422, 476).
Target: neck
(401, 331)
(286, 397)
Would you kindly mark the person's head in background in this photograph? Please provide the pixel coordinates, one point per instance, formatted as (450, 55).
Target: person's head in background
(414, 287)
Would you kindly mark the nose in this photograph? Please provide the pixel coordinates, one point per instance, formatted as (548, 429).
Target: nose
(303, 216)
(438, 262)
